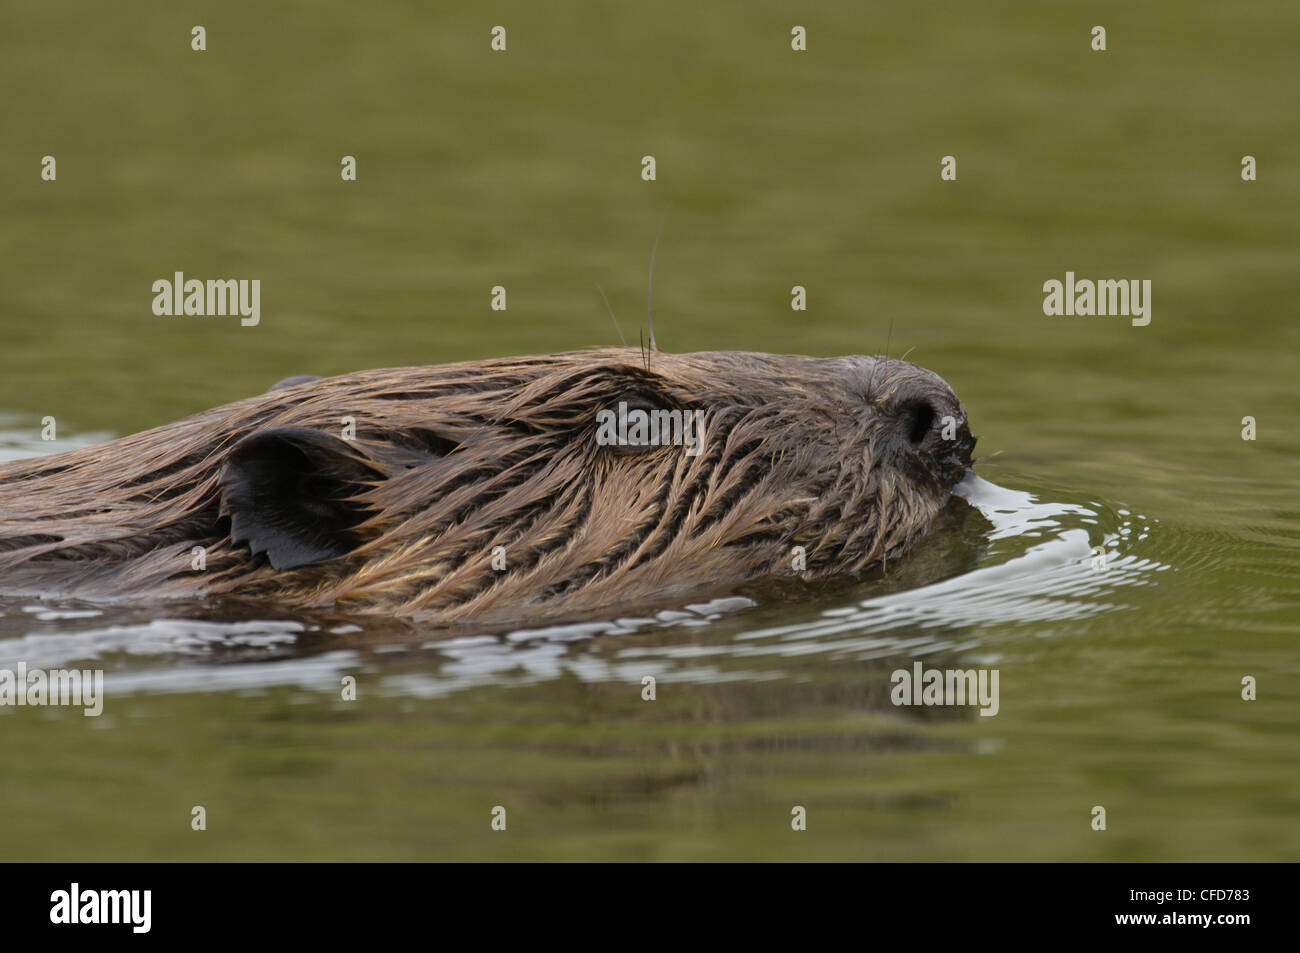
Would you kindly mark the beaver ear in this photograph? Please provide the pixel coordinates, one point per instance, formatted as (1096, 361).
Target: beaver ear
(289, 493)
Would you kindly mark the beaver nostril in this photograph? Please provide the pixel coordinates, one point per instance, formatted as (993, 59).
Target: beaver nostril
(918, 416)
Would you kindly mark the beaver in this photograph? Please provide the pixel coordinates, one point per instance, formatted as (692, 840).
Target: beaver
(491, 489)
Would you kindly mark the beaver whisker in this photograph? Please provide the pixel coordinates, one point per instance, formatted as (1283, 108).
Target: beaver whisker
(650, 288)
(621, 339)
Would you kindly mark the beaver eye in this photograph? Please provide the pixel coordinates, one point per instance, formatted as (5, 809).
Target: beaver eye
(631, 424)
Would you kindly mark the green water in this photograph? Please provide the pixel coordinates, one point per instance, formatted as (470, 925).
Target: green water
(775, 168)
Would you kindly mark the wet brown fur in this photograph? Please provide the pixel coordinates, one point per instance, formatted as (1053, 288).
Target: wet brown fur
(466, 457)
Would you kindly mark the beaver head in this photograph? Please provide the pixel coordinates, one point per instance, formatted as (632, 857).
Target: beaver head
(505, 488)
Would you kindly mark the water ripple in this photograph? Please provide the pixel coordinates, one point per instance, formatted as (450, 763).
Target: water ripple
(1041, 563)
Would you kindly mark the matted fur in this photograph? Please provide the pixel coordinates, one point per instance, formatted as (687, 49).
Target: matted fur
(796, 451)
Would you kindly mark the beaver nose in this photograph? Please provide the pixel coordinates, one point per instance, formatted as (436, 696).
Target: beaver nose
(919, 407)
(925, 416)
(916, 418)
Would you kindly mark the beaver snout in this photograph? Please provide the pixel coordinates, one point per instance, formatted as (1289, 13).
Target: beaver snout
(925, 422)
